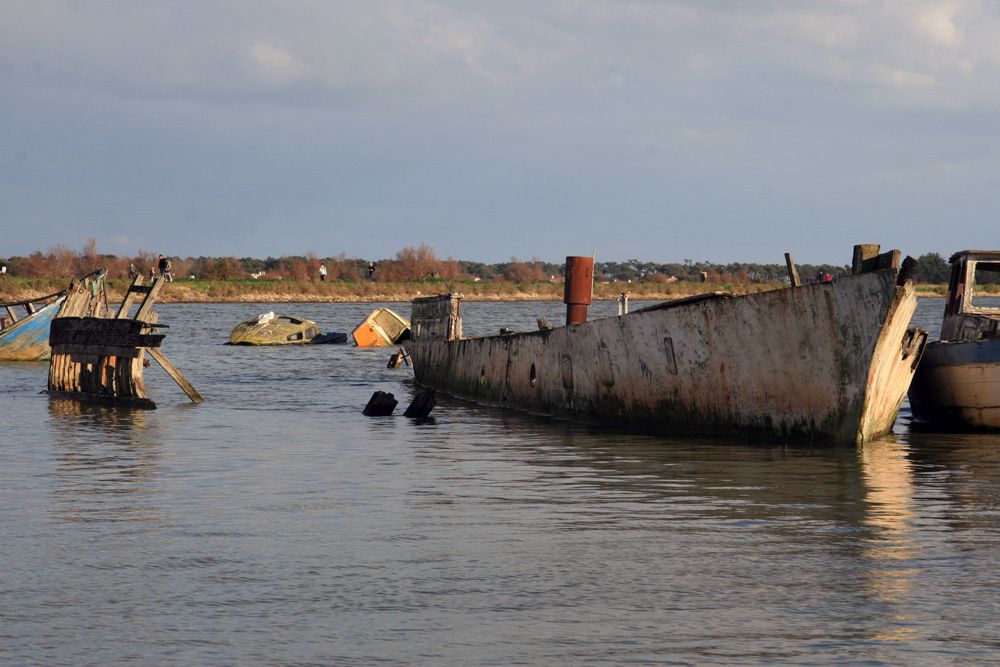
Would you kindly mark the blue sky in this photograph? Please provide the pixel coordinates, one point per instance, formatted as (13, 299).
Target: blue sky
(712, 130)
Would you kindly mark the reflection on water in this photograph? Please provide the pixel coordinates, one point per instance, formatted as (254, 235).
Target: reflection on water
(275, 524)
(106, 459)
(890, 547)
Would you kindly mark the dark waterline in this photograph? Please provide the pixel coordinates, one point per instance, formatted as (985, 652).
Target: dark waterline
(276, 525)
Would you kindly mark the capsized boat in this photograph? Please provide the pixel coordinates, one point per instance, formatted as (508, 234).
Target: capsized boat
(24, 331)
(828, 362)
(275, 329)
(957, 384)
(381, 328)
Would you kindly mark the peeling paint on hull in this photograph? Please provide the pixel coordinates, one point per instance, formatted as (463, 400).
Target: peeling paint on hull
(826, 363)
(28, 339)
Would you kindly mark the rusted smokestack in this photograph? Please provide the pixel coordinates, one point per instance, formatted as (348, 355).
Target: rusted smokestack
(579, 288)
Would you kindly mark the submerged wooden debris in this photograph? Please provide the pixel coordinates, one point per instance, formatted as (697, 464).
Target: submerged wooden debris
(381, 404)
(824, 362)
(98, 356)
(421, 405)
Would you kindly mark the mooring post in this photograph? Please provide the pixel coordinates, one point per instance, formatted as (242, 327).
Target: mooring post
(793, 273)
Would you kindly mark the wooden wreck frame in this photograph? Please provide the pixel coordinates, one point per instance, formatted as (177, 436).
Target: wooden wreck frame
(97, 356)
(826, 362)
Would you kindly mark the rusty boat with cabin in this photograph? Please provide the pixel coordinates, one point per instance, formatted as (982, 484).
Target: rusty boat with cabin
(958, 382)
(827, 362)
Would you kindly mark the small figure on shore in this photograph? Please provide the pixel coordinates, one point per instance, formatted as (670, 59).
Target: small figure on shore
(827, 278)
(3, 268)
(164, 265)
(152, 272)
(133, 271)
(322, 272)
(371, 272)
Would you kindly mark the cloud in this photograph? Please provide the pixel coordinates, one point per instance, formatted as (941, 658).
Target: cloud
(936, 25)
(276, 66)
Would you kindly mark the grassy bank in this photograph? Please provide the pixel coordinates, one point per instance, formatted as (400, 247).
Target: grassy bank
(277, 291)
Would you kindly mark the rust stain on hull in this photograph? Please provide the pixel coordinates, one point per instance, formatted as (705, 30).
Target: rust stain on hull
(827, 362)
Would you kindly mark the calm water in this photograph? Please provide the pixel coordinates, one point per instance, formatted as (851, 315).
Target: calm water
(276, 525)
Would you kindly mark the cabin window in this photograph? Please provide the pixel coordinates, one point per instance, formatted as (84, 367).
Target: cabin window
(532, 376)
(987, 281)
(295, 336)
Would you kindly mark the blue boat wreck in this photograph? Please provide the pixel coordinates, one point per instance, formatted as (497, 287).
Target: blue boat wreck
(24, 328)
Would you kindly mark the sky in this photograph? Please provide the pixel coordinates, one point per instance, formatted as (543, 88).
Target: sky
(721, 130)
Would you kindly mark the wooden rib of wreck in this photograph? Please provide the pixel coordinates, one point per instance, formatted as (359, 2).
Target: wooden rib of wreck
(99, 356)
(827, 362)
(958, 381)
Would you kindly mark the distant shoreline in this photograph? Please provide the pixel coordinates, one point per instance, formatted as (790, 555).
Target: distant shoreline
(287, 291)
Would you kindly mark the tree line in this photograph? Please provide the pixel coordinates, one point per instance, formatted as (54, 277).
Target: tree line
(422, 263)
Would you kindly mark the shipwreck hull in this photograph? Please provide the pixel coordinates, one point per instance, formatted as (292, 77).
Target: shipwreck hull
(827, 362)
(28, 339)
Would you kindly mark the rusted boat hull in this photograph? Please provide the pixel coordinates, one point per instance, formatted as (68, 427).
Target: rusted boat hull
(826, 362)
(958, 385)
(28, 339)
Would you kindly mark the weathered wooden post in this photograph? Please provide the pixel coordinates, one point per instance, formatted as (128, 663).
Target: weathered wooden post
(864, 254)
(381, 404)
(421, 405)
(793, 273)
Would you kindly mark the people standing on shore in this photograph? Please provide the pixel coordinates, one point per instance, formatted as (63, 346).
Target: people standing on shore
(133, 271)
(322, 272)
(164, 266)
(371, 272)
